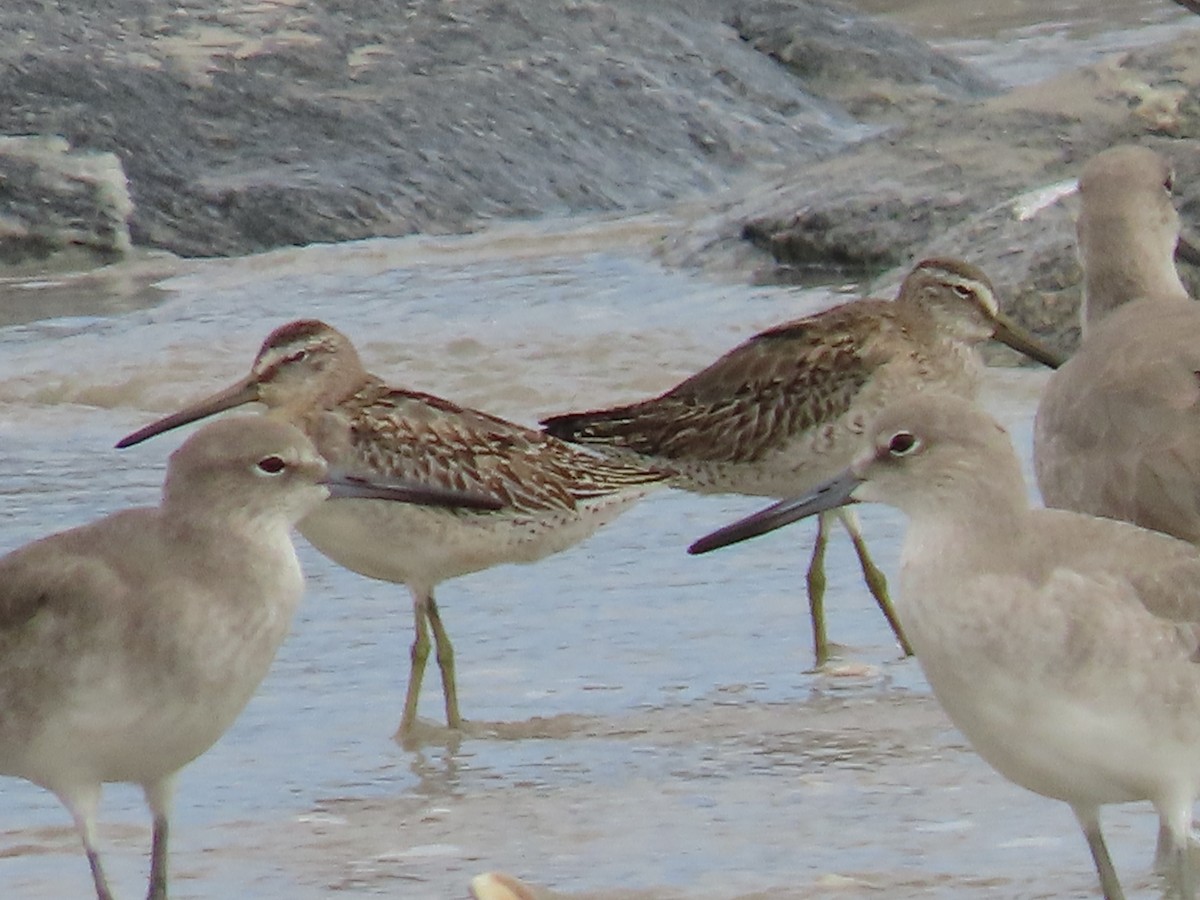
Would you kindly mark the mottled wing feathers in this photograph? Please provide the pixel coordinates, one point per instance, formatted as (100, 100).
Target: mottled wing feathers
(412, 435)
(777, 385)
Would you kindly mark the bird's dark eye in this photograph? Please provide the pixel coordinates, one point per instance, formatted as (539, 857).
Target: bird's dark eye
(963, 291)
(271, 465)
(902, 443)
(1169, 182)
(298, 356)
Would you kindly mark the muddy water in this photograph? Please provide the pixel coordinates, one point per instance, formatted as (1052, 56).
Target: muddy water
(643, 724)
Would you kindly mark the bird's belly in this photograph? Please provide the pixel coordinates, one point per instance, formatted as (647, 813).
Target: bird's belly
(1026, 672)
(1066, 753)
(113, 709)
(408, 544)
(111, 733)
(1033, 727)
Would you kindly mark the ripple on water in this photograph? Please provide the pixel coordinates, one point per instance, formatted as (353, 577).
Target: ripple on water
(644, 724)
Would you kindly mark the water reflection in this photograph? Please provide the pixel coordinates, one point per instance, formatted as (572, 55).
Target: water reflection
(436, 769)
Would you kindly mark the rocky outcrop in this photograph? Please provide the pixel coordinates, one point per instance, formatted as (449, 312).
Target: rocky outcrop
(875, 72)
(243, 126)
(955, 182)
(801, 134)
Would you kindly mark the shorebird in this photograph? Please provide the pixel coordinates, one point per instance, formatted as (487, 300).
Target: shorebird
(128, 646)
(1064, 646)
(1117, 431)
(553, 495)
(787, 408)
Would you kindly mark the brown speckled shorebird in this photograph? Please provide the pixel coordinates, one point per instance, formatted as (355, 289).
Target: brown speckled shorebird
(128, 646)
(1117, 431)
(554, 495)
(1063, 646)
(788, 407)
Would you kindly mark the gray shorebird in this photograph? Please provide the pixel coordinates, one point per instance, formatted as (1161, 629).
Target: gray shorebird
(787, 408)
(129, 646)
(1117, 431)
(1063, 646)
(1118, 428)
(553, 495)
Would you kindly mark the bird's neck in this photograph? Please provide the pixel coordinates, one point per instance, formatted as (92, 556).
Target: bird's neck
(1115, 275)
(222, 518)
(975, 511)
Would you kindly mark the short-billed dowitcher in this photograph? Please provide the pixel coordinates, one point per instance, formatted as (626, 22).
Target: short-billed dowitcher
(787, 408)
(554, 495)
(128, 646)
(1064, 646)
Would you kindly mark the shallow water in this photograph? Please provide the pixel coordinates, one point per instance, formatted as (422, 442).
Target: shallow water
(643, 721)
(1022, 41)
(644, 724)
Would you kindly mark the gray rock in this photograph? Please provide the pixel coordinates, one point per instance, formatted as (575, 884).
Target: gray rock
(53, 199)
(877, 72)
(248, 126)
(945, 183)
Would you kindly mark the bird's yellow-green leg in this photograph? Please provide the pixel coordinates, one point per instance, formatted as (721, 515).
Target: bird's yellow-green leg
(419, 655)
(876, 581)
(816, 592)
(445, 658)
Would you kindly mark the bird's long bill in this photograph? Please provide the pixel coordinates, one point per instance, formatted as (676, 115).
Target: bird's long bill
(832, 494)
(1012, 334)
(245, 391)
(346, 486)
